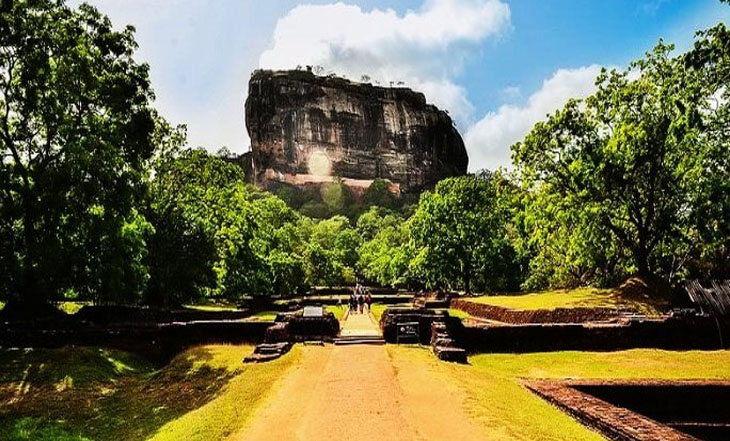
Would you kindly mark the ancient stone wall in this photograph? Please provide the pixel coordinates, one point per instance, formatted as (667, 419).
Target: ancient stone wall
(159, 342)
(515, 316)
(674, 334)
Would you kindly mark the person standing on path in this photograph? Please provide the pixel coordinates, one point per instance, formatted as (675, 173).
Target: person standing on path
(353, 304)
(369, 302)
(361, 302)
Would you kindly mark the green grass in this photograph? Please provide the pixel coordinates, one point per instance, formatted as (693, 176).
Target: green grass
(71, 307)
(458, 313)
(378, 309)
(37, 429)
(75, 394)
(263, 316)
(569, 298)
(230, 410)
(509, 412)
(338, 311)
(213, 305)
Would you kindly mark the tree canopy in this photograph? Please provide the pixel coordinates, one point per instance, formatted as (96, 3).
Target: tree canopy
(100, 198)
(76, 131)
(630, 177)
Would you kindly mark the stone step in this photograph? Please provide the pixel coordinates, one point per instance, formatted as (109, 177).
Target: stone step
(267, 352)
(260, 358)
(444, 342)
(359, 340)
(455, 355)
(271, 348)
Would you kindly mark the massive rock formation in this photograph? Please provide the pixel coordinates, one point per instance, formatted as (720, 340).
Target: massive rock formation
(307, 129)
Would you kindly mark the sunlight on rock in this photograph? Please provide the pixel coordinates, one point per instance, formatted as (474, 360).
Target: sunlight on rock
(319, 164)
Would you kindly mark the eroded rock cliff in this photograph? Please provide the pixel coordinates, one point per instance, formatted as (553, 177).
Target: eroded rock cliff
(307, 129)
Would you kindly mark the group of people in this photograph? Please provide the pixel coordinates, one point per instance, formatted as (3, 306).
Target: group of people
(360, 298)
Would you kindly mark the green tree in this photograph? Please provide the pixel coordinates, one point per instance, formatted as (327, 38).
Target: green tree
(76, 132)
(379, 194)
(331, 254)
(459, 232)
(373, 220)
(631, 161)
(709, 62)
(182, 249)
(384, 255)
(278, 244)
(563, 245)
(203, 199)
(321, 267)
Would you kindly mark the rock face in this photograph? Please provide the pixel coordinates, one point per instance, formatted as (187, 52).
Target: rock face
(307, 129)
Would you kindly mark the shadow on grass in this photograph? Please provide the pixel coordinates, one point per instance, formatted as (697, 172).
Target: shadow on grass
(95, 394)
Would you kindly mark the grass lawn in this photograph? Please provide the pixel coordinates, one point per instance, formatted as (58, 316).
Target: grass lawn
(458, 313)
(263, 316)
(509, 412)
(379, 308)
(213, 305)
(67, 307)
(71, 307)
(568, 298)
(338, 311)
(75, 394)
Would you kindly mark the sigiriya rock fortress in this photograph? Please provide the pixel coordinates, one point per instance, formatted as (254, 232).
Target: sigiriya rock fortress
(308, 129)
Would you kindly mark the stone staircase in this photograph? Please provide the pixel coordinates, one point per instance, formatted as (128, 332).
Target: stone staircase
(360, 340)
(444, 346)
(268, 351)
(359, 329)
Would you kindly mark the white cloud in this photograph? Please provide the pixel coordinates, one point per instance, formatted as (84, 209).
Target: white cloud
(488, 141)
(510, 93)
(424, 48)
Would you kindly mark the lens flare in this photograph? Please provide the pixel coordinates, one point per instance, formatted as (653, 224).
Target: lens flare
(319, 164)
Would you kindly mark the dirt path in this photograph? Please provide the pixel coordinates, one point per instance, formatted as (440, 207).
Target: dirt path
(354, 393)
(359, 324)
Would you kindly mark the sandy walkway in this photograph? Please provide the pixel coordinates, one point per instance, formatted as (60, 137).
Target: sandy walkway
(353, 393)
(359, 324)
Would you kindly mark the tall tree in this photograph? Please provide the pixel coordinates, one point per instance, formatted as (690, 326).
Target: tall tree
(76, 130)
(634, 159)
(458, 233)
(182, 248)
(708, 62)
(331, 253)
(385, 252)
(203, 201)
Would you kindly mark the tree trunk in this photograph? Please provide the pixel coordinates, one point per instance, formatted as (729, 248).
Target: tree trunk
(641, 258)
(29, 290)
(467, 277)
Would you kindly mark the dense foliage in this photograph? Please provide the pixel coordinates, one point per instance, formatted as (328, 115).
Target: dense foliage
(460, 236)
(101, 200)
(76, 131)
(632, 179)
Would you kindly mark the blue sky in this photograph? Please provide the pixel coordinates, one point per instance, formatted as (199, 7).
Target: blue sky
(497, 66)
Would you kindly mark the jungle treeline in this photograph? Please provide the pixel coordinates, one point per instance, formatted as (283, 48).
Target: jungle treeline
(101, 199)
